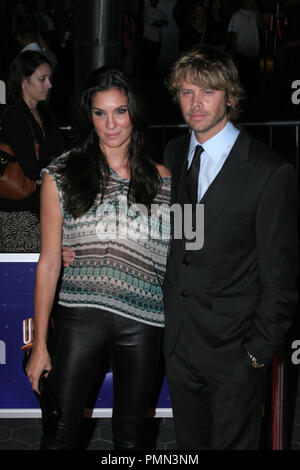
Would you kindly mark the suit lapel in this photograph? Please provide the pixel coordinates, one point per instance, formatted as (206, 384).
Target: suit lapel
(178, 178)
(180, 181)
(231, 176)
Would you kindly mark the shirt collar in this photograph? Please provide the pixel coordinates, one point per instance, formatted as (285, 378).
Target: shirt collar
(216, 145)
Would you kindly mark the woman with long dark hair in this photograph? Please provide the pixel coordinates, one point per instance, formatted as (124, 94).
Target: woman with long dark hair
(29, 127)
(100, 198)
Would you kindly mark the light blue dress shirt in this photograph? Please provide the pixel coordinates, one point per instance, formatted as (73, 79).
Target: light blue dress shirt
(216, 150)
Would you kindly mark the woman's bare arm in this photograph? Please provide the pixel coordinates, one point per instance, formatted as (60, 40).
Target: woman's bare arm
(47, 274)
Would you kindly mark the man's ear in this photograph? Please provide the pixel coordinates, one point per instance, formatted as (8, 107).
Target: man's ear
(227, 99)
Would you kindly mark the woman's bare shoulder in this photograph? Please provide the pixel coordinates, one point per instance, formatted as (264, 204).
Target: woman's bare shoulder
(163, 170)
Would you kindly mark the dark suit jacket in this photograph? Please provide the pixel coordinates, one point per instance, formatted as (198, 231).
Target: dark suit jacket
(239, 291)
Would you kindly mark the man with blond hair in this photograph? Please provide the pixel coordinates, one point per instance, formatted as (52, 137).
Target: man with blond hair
(229, 304)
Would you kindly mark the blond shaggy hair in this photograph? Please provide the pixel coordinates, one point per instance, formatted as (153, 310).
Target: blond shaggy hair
(209, 69)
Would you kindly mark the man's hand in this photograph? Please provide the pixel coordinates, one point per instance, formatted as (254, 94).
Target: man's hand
(68, 255)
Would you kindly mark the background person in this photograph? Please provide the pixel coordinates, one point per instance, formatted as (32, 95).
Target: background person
(110, 301)
(29, 127)
(243, 30)
(154, 20)
(196, 31)
(30, 39)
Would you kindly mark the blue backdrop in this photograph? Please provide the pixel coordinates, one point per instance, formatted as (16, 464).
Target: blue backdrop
(16, 310)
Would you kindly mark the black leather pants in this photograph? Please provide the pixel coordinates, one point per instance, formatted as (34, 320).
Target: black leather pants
(83, 339)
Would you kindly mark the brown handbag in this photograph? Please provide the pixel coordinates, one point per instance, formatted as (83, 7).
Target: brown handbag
(13, 183)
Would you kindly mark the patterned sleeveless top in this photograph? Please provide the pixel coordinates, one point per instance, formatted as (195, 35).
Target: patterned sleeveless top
(121, 251)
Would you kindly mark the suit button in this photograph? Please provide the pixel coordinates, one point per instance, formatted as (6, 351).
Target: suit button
(183, 294)
(185, 262)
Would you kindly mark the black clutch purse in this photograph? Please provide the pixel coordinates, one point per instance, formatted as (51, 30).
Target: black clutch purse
(47, 398)
(51, 411)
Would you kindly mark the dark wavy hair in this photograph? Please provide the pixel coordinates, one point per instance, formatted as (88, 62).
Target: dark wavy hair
(86, 172)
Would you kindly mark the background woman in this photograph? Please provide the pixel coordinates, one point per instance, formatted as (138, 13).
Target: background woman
(110, 302)
(195, 32)
(30, 129)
